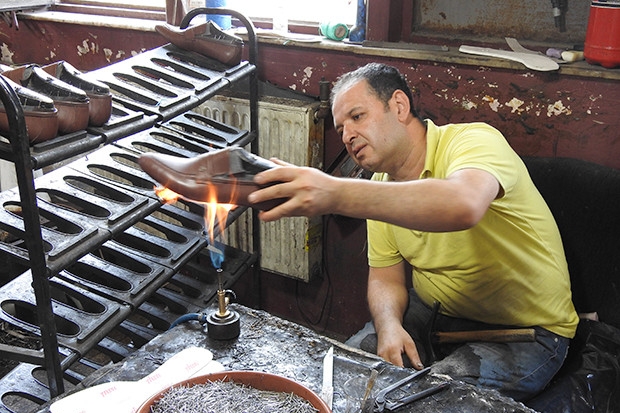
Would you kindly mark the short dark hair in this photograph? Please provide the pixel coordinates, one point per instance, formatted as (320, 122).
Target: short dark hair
(383, 80)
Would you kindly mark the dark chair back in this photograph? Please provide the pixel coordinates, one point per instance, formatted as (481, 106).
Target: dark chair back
(584, 198)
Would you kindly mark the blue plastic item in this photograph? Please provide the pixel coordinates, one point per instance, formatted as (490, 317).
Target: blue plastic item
(224, 21)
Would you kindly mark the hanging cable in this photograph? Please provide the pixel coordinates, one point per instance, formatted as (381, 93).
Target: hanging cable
(202, 317)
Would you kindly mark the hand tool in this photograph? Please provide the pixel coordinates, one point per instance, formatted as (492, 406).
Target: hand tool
(327, 390)
(382, 403)
(366, 406)
(431, 337)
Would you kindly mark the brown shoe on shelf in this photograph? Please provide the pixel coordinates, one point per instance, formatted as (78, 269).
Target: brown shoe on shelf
(71, 102)
(100, 106)
(39, 112)
(224, 176)
(207, 39)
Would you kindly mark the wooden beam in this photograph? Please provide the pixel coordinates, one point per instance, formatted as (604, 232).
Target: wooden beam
(377, 20)
(389, 20)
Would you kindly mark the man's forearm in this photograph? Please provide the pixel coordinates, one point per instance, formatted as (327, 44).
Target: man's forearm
(387, 296)
(385, 310)
(431, 205)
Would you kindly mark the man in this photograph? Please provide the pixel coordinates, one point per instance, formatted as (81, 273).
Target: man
(456, 203)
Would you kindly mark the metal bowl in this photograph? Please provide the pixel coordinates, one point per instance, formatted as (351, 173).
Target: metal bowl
(257, 380)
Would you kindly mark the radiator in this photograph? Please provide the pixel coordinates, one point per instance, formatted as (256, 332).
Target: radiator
(287, 130)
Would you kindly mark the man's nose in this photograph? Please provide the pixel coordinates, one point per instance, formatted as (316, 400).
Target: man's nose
(347, 134)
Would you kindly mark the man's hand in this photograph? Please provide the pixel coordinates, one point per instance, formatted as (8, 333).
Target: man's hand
(309, 191)
(388, 299)
(392, 344)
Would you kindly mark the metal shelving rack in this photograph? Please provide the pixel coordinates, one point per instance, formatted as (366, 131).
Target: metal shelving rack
(131, 121)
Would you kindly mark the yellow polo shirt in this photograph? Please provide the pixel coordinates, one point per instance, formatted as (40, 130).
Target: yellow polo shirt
(510, 268)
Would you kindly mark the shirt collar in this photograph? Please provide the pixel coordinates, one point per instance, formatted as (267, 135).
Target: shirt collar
(432, 141)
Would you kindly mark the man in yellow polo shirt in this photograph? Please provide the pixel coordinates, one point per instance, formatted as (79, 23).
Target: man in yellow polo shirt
(456, 205)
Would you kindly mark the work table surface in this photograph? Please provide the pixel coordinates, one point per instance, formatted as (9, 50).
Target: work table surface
(273, 345)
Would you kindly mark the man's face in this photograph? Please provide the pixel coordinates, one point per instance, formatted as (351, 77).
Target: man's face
(366, 126)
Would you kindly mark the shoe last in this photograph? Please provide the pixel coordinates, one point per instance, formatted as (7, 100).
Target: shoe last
(206, 39)
(100, 105)
(40, 114)
(224, 176)
(71, 102)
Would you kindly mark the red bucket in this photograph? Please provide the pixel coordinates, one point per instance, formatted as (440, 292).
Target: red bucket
(602, 45)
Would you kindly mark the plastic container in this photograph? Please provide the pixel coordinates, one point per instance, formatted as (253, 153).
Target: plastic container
(334, 31)
(224, 21)
(280, 18)
(602, 45)
(358, 33)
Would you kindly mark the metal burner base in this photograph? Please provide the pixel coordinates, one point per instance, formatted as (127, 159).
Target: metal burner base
(223, 327)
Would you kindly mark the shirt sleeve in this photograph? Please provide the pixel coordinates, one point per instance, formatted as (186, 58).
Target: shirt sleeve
(483, 147)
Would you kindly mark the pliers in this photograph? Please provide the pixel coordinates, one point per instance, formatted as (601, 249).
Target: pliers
(381, 402)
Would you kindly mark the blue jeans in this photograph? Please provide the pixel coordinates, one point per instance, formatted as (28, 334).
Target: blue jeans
(518, 370)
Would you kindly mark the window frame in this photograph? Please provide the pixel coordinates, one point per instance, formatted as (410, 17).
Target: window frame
(111, 9)
(382, 15)
(154, 12)
(18, 5)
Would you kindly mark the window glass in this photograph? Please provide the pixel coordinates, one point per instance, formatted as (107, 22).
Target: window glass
(313, 11)
(341, 11)
(9, 5)
(134, 4)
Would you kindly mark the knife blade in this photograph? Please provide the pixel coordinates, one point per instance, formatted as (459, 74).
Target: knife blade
(327, 390)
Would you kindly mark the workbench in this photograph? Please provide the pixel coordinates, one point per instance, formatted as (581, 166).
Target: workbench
(270, 344)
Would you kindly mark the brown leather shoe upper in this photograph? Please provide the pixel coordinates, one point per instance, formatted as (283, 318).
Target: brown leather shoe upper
(206, 40)
(224, 176)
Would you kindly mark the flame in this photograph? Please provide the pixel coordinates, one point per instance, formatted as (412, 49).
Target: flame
(167, 195)
(215, 214)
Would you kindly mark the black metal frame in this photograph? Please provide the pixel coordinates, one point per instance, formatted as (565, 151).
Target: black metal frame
(26, 162)
(252, 58)
(254, 146)
(30, 212)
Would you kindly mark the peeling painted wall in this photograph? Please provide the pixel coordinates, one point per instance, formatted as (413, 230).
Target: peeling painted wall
(86, 47)
(540, 113)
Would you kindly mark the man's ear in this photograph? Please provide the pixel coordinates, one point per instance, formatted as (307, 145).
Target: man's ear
(402, 103)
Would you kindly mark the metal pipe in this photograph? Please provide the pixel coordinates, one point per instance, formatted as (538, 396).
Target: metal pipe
(324, 107)
(559, 13)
